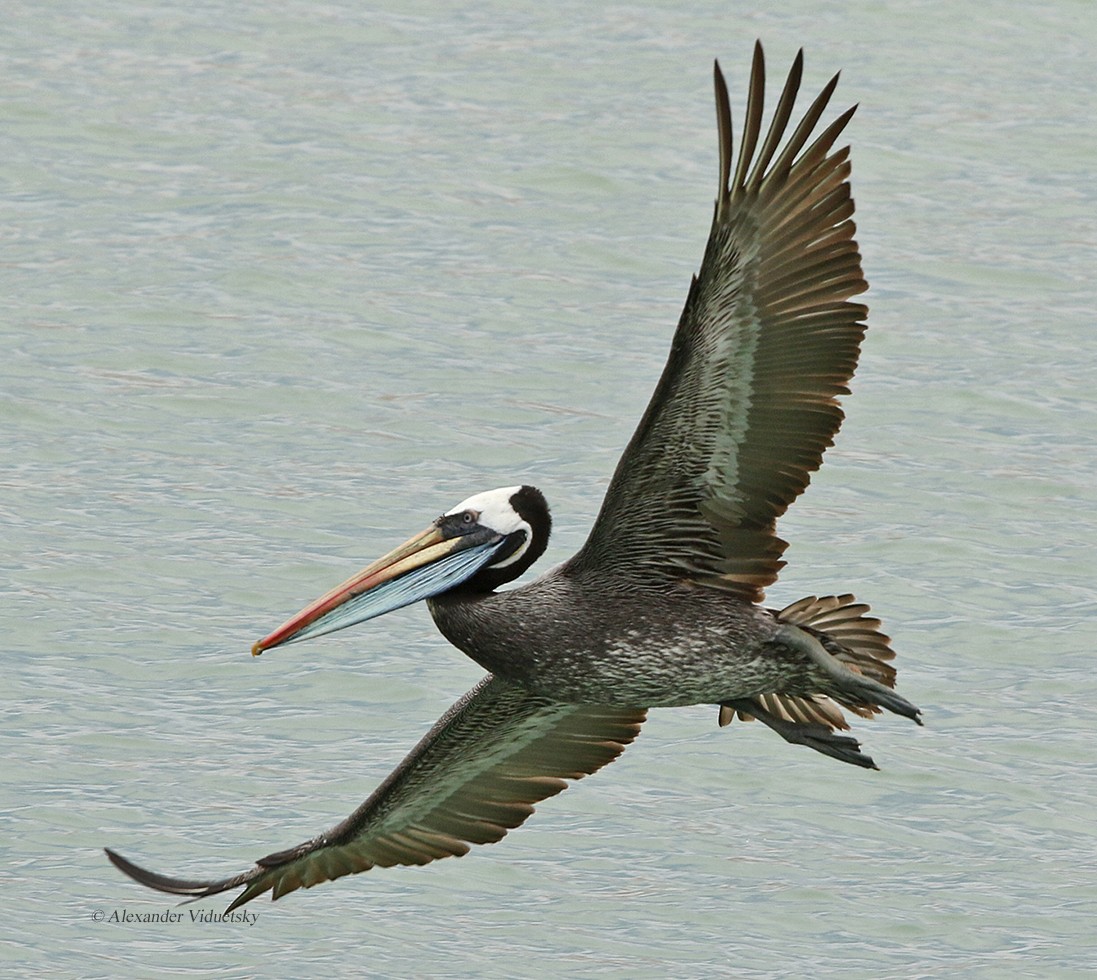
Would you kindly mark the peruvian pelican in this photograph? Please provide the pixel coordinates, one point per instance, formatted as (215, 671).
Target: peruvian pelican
(660, 607)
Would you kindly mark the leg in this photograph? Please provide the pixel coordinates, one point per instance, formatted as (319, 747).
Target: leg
(823, 739)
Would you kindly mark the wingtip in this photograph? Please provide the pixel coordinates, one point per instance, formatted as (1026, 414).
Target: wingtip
(124, 865)
(759, 62)
(846, 116)
(150, 879)
(724, 135)
(189, 890)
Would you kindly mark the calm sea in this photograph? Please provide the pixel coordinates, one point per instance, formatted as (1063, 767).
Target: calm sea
(281, 282)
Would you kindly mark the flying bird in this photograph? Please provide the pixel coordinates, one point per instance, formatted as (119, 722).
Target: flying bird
(662, 605)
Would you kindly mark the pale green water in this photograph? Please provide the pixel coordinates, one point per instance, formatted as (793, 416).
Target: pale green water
(281, 282)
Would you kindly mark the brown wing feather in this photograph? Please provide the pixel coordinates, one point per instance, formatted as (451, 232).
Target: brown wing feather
(747, 403)
(475, 775)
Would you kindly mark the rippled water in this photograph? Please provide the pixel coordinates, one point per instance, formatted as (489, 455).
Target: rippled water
(281, 283)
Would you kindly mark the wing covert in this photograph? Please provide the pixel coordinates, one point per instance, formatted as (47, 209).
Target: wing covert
(475, 775)
(767, 341)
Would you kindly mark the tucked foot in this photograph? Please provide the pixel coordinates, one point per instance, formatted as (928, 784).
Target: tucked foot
(816, 736)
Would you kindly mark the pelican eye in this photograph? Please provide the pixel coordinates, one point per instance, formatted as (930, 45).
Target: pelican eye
(457, 525)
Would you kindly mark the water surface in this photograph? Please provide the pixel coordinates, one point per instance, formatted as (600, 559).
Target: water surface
(280, 284)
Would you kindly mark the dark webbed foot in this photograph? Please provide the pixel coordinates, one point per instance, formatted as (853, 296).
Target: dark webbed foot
(820, 737)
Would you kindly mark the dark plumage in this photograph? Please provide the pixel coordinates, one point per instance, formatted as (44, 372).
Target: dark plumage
(661, 605)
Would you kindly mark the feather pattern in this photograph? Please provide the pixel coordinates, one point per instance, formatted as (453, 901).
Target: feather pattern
(747, 403)
(475, 775)
(854, 638)
(745, 408)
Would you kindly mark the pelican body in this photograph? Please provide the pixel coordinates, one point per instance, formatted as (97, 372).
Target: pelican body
(662, 606)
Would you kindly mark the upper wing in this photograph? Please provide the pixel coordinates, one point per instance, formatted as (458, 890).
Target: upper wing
(474, 776)
(747, 402)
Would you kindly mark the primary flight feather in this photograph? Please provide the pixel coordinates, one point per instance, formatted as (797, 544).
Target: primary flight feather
(661, 606)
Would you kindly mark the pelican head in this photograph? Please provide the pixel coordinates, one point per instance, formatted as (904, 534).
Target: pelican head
(485, 541)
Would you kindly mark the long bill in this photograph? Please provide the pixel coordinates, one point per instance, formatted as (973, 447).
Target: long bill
(421, 567)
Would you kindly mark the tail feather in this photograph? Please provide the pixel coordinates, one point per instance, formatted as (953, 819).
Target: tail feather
(859, 642)
(852, 646)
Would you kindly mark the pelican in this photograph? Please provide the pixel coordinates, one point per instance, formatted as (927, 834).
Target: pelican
(662, 605)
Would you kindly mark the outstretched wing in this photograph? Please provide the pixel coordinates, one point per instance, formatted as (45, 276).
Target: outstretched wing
(747, 402)
(474, 776)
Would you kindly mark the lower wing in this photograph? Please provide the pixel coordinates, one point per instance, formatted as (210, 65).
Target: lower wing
(475, 775)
